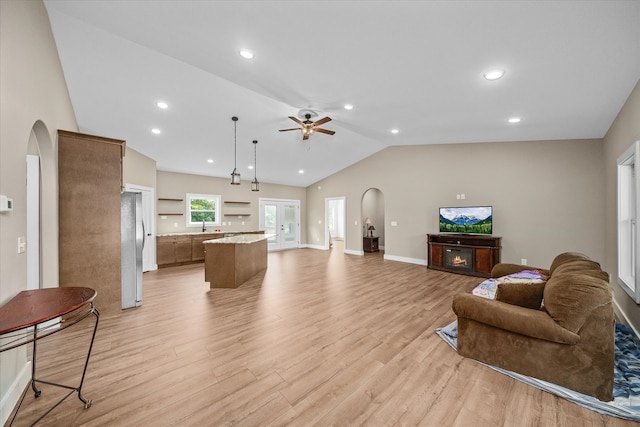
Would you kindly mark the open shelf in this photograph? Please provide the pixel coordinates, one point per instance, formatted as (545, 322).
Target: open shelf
(237, 203)
(170, 200)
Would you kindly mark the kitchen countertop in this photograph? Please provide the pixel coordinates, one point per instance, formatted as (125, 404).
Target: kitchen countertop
(196, 233)
(242, 239)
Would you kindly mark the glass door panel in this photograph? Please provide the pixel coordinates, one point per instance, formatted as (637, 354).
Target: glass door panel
(282, 219)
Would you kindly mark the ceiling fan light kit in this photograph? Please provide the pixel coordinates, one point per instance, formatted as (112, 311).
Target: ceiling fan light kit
(308, 127)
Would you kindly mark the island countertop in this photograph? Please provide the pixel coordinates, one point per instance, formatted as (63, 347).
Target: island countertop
(241, 239)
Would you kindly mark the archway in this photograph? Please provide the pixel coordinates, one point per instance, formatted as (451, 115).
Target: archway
(373, 215)
(42, 209)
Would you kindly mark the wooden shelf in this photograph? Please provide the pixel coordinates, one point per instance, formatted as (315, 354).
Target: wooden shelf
(165, 214)
(237, 203)
(236, 214)
(170, 200)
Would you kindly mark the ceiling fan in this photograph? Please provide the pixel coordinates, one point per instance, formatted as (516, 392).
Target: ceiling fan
(309, 127)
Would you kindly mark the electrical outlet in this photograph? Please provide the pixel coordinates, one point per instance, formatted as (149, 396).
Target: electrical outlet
(523, 261)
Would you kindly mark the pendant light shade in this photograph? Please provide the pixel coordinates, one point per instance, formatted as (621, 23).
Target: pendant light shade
(255, 185)
(235, 175)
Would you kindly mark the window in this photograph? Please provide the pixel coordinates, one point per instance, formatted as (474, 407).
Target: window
(628, 232)
(203, 209)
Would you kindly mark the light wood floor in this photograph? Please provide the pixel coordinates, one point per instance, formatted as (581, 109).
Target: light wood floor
(321, 338)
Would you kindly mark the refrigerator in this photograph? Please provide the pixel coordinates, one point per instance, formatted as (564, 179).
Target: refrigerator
(132, 243)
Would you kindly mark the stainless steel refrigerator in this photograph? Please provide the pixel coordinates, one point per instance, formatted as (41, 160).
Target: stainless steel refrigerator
(132, 242)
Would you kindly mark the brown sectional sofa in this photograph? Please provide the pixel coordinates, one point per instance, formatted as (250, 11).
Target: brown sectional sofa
(561, 331)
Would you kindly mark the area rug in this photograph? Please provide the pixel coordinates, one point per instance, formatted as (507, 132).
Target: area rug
(626, 388)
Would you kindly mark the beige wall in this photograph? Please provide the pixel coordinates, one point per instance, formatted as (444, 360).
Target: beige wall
(177, 185)
(546, 195)
(624, 131)
(34, 105)
(138, 169)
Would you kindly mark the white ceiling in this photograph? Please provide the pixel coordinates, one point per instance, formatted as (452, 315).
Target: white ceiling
(412, 65)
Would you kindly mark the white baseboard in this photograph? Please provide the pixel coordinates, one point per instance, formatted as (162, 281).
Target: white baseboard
(405, 259)
(11, 398)
(352, 252)
(319, 247)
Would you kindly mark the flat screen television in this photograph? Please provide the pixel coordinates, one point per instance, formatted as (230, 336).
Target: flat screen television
(466, 220)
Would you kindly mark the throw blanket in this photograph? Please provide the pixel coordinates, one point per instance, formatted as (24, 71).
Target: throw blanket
(626, 388)
(487, 289)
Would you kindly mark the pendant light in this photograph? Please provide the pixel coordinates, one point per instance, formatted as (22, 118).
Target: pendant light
(255, 185)
(235, 175)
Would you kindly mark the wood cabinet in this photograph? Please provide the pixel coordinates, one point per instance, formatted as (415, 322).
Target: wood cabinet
(465, 254)
(370, 244)
(90, 182)
(173, 249)
(197, 247)
(176, 250)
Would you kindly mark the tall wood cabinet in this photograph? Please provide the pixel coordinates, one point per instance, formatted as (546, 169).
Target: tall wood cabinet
(90, 182)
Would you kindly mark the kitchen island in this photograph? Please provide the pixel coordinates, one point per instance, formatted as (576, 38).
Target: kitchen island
(231, 261)
(185, 248)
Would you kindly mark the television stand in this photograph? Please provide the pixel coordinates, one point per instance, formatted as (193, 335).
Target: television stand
(473, 255)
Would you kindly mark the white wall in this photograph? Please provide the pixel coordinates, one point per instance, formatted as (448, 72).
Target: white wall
(34, 104)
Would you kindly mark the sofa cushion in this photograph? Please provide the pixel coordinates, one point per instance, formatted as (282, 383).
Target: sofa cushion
(570, 298)
(567, 257)
(527, 295)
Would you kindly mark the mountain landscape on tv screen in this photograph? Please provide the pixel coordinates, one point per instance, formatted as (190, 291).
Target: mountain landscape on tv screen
(466, 224)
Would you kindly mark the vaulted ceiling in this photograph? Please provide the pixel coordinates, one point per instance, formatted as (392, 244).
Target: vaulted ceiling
(414, 66)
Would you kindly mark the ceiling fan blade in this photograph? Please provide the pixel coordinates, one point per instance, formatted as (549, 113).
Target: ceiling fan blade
(305, 136)
(322, 121)
(284, 130)
(328, 132)
(295, 119)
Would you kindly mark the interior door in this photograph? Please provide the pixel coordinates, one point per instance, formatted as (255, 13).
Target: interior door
(282, 219)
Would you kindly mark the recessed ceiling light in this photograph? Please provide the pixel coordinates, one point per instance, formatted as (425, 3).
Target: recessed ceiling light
(250, 167)
(394, 131)
(209, 160)
(246, 54)
(162, 104)
(301, 171)
(156, 131)
(493, 74)
(348, 107)
(514, 120)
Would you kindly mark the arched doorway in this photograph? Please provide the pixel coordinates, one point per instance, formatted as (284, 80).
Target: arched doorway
(373, 215)
(42, 210)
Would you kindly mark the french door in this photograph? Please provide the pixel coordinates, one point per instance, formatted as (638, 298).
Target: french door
(282, 219)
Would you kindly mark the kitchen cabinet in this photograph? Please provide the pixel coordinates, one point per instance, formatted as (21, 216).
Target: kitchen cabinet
(197, 247)
(89, 244)
(173, 250)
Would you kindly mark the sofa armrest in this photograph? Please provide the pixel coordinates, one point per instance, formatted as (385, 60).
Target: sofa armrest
(512, 318)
